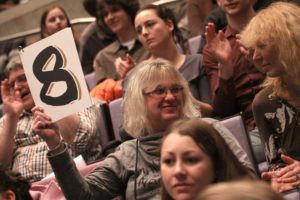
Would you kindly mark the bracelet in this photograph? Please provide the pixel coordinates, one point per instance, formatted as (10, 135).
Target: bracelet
(277, 166)
(56, 147)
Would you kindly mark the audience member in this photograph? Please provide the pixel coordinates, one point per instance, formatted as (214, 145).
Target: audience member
(179, 8)
(193, 156)
(7, 4)
(13, 186)
(275, 50)
(24, 150)
(93, 38)
(7, 50)
(118, 15)
(53, 20)
(234, 80)
(8, 47)
(156, 96)
(218, 17)
(158, 32)
(244, 189)
(197, 11)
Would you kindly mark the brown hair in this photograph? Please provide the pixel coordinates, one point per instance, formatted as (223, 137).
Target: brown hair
(44, 16)
(11, 180)
(226, 165)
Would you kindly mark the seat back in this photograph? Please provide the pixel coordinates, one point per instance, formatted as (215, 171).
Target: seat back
(116, 114)
(104, 124)
(194, 44)
(205, 91)
(292, 194)
(236, 126)
(90, 80)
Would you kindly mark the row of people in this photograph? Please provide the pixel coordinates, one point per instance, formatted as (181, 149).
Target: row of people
(287, 175)
(235, 88)
(98, 35)
(157, 32)
(194, 152)
(220, 47)
(156, 96)
(236, 79)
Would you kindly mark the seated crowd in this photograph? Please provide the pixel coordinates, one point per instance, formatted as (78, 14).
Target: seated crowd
(172, 101)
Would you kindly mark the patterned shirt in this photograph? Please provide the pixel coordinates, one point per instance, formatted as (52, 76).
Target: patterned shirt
(278, 123)
(30, 151)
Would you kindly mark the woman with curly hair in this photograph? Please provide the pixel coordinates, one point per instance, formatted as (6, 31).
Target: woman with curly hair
(273, 41)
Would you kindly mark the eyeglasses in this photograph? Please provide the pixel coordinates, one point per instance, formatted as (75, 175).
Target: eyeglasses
(161, 92)
(20, 80)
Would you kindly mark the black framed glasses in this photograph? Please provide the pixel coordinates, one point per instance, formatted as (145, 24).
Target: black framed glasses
(161, 92)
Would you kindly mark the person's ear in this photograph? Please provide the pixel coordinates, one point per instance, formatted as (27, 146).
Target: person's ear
(170, 24)
(9, 195)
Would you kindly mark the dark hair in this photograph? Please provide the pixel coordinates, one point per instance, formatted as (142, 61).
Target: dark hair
(90, 6)
(226, 165)
(129, 6)
(11, 180)
(44, 16)
(167, 14)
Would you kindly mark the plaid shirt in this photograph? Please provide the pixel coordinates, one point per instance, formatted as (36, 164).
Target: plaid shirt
(30, 151)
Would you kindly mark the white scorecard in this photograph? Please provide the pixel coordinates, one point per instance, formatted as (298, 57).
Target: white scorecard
(55, 76)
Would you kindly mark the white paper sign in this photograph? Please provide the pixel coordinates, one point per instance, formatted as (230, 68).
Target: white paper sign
(55, 76)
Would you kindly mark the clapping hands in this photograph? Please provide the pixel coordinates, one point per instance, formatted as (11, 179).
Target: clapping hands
(286, 178)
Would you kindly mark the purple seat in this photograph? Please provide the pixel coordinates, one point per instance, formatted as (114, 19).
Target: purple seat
(115, 109)
(237, 127)
(194, 44)
(292, 194)
(90, 80)
(104, 124)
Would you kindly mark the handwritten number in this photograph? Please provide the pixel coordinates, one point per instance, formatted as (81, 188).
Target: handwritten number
(57, 74)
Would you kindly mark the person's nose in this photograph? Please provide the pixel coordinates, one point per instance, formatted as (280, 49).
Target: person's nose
(57, 19)
(179, 169)
(144, 31)
(169, 95)
(256, 55)
(109, 15)
(17, 85)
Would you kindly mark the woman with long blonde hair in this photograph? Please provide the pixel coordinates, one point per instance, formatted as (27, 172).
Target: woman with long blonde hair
(273, 38)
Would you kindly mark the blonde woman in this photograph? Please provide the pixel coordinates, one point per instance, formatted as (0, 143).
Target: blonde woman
(273, 38)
